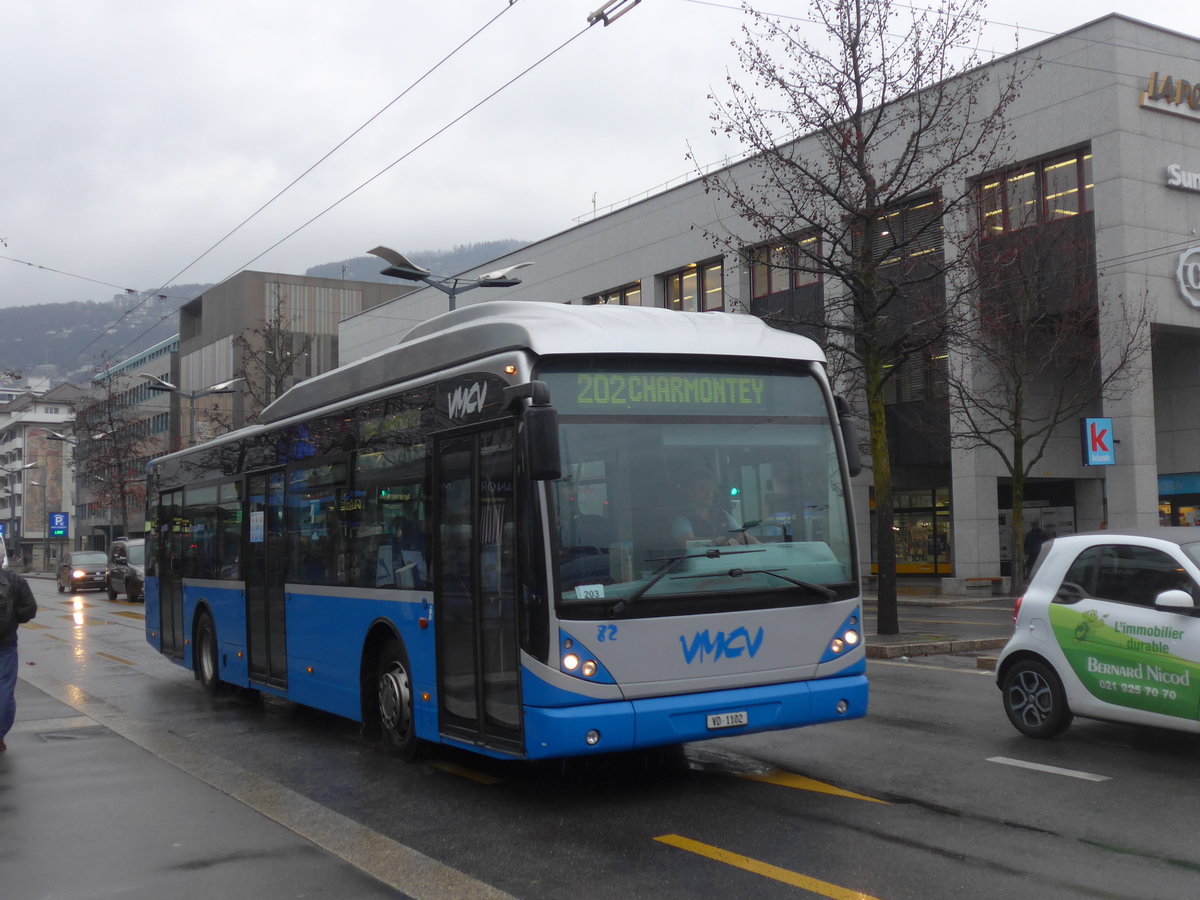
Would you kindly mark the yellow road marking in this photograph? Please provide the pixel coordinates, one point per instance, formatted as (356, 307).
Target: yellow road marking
(757, 867)
(455, 769)
(34, 626)
(115, 658)
(800, 783)
(131, 615)
(80, 619)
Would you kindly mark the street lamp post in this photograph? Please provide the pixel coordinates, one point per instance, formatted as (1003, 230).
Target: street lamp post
(161, 384)
(45, 526)
(451, 286)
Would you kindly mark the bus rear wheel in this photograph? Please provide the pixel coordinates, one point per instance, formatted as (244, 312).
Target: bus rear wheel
(204, 649)
(394, 701)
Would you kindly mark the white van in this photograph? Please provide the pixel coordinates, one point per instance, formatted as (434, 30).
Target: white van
(1108, 629)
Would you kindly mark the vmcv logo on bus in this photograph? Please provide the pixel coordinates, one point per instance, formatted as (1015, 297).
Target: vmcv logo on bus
(466, 401)
(729, 646)
(1188, 275)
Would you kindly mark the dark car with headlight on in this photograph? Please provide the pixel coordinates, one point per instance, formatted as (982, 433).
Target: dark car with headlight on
(83, 570)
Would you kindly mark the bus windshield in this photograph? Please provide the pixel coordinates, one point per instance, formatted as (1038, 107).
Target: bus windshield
(689, 489)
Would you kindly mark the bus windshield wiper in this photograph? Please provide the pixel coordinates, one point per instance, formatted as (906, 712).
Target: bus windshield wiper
(820, 589)
(671, 563)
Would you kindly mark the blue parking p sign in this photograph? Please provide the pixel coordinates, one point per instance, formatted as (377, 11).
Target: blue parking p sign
(58, 524)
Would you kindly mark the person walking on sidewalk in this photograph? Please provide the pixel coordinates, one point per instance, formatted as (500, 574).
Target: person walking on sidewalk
(16, 606)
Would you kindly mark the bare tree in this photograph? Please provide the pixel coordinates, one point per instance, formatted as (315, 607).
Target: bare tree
(269, 355)
(862, 143)
(113, 443)
(1043, 346)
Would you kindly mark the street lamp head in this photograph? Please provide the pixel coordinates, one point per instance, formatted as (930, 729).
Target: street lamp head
(401, 266)
(502, 277)
(224, 387)
(156, 383)
(56, 436)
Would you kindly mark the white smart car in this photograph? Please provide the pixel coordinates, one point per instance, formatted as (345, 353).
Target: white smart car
(1108, 628)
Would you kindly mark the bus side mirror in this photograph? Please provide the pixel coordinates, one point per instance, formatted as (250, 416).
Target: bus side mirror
(541, 443)
(539, 424)
(849, 427)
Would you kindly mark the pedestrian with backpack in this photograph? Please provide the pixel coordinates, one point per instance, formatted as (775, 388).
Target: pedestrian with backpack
(16, 606)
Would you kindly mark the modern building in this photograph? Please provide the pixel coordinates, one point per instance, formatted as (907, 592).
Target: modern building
(119, 427)
(1106, 152)
(36, 482)
(269, 330)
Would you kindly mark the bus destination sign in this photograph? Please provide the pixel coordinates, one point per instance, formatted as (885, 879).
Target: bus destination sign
(659, 392)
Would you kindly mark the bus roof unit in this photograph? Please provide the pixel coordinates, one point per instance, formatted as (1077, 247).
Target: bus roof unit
(484, 329)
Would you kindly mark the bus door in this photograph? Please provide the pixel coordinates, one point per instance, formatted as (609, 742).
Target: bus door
(475, 586)
(170, 572)
(265, 574)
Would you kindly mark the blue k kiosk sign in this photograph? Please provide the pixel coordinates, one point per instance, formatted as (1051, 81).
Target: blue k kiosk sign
(1098, 444)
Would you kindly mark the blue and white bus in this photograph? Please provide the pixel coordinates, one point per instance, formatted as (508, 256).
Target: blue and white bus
(530, 530)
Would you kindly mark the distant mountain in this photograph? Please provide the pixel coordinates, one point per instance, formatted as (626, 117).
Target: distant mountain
(72, 341)
(77, 338)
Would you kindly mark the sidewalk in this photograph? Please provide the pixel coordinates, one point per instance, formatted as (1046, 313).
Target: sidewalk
(90, 814)
(950, 640)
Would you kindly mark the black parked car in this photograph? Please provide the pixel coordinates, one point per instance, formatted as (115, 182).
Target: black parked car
(127, 568)
(83, 570)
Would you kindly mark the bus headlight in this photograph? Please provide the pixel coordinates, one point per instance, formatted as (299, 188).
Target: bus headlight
(848, 639)
(589, 668)
(570, 662)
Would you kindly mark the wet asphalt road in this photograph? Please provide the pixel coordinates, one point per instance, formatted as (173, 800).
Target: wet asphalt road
(126, 780)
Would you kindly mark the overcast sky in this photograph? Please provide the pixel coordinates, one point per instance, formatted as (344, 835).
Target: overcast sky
(138, 133)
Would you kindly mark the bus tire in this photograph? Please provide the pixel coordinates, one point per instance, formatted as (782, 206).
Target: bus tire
(204, 653)
(1035, 700)
(394, 700)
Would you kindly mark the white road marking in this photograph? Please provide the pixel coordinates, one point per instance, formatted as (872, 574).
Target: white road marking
(1053, 770)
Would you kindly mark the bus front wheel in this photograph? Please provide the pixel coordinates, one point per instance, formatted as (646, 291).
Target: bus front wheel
(394, 700)
(205, 650)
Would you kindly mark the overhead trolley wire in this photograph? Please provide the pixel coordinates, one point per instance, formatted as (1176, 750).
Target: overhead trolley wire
(157, 293)
(418, 146)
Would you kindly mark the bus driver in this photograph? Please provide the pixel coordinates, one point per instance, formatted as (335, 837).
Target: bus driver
(700, 519)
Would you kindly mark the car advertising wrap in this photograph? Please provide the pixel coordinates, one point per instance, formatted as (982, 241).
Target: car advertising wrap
(1128, 663)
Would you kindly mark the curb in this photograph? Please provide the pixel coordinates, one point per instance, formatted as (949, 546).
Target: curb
(931, 648)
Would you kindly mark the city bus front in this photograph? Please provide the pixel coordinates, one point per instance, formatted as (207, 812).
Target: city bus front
(702, 557)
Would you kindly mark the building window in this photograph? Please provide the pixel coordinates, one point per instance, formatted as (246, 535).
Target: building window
(629, 295)
(698, 288)
(778, 267)
(785, 292)
(1059, 187)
